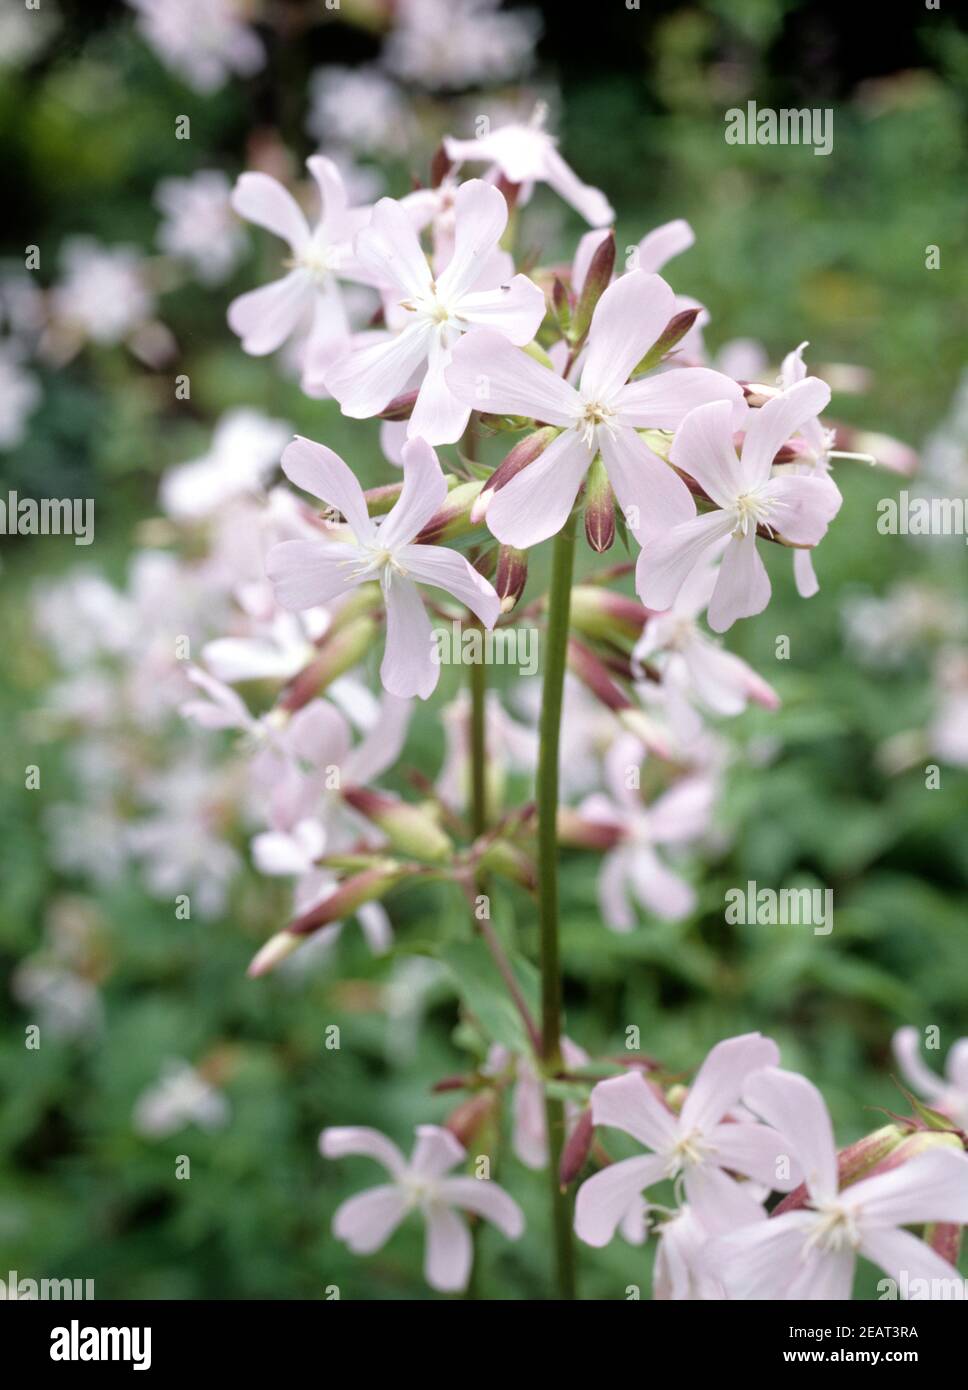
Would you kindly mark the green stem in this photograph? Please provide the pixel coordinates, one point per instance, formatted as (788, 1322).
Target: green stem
(556, 647)
(478, 690)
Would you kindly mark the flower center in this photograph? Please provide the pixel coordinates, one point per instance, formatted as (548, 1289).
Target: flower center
(835, 1230)
(320, 260)
(594, 414)
(431, 307)
(688, 1152)
(751, 510)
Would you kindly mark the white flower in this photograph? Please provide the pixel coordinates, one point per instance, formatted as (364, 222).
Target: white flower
(368, 1220)
(245, 451)
(180, 1097)
(203, 41)
(200, 226)
(448, 44)
(359, 108)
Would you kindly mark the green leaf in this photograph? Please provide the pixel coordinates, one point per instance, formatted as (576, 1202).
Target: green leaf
(479, 984)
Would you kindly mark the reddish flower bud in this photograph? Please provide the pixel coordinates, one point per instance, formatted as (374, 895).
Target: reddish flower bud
(597, 281)
(578, 1146)
(511, 577)
(673, 333)
(411, 829)
(524, 452)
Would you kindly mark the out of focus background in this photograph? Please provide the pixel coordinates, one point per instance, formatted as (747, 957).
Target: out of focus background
(153, 1042)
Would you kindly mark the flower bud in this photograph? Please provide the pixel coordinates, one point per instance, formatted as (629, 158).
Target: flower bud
(578, 833)
(599, 508)
(524, 452)
(440, 166)
(561, 307)
(412, 830)
(673, 333)
(470, 1117)
(510, 861)
(603, 615)
(577, 1147)
(342, 649)
(596, 283)
(400, 408)
(511, 577)
(856, 1161)
(454, 516)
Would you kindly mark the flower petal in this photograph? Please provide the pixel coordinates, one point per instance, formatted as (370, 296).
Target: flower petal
(667, 559)
(628, 319)
(931, 1187)
(824, 1275)
(904, 1257)
(703, 448)
(604, 1199)
(305, 574)
(438, 415)
(719, 1082)
(480, 216)
(720, 1203)
(794, 1107)
(344, 1140)
(755, 1151)
(662, 243)
(652, 496)
(262, 200)
(368, 1220)
(743, 587)
(323, 473)
(536, 503)
(629, 1103)
(266, 317)
(408, 666)
(424, 489)
(487, 1199)
(489, 374)
(435, 1152)
(449, 570)
(662, 400)
(389, 251)
(369, 378)
(449, 1252)
(772, 425)
(801, 506)
(590, 202)
(515, 309)
(760, 1261)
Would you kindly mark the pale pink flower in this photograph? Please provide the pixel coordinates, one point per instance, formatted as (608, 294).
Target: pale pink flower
(359, 108)
(438, 310)
(308, 298)
(526, 154)
(367, 1221)
(679, 1273)
(103, 294)
(307, 573)
(949, 1095)
(634, 869)
(199, 225)
(203, 41)
(530, 1131)
(691, 662)
(602, 414)
(450, 44)
(701, 1145)
(511, 747)
(655, 249)
(20, 395)
(747, 494)
(811, 1252)
(244, 454)
(181, 1096)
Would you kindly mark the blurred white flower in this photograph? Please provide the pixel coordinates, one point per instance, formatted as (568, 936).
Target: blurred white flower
(180, 1097)
(449, 44)
(360, 108)
(102, 295)
(245, 451)
(19, 396)
(24, 30)
(204, 42)
(200, 227)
